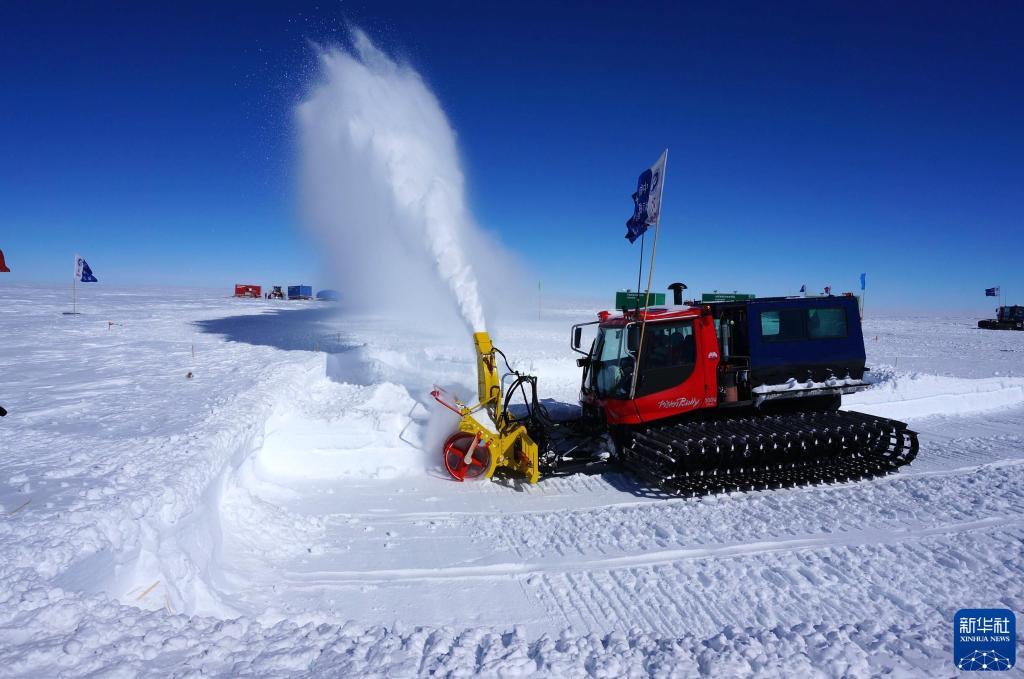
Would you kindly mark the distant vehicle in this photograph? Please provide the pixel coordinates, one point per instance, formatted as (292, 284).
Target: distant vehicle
(1007, 318)
(328, 296)
(276, 292)
(300, 292)
(244, 290)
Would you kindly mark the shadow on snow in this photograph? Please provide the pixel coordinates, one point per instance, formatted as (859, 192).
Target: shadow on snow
(309, 329)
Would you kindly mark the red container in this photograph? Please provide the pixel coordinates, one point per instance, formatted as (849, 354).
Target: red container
(243, 290)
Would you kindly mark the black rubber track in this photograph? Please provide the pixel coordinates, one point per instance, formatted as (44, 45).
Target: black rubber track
(768, 451)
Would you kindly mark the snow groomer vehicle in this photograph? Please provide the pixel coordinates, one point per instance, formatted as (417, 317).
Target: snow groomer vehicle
(1007, 318)
(692, 398)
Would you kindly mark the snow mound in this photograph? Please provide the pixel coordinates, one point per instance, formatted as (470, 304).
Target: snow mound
(334, 431)
(907, 396)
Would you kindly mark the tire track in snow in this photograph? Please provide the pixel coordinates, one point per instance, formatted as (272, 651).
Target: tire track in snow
(644, 559)
(897, 504)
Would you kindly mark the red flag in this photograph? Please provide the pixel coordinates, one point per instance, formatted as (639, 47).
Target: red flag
(3, 264)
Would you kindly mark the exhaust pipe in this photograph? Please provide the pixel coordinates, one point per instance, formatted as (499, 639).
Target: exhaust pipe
(677, 293)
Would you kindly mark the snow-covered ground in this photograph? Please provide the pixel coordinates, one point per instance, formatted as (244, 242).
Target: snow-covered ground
(282, 510)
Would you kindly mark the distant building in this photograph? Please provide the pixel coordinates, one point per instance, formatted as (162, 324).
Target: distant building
(300, 292)
(246, 290)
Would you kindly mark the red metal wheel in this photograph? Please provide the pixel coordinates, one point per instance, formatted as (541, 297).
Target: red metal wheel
(455, 449)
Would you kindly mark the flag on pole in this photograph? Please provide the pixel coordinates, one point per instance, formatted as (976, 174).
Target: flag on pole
(647, 199)
(3, 263)
(863, 281)
(992, 292)
(82, 271)
(803, 288)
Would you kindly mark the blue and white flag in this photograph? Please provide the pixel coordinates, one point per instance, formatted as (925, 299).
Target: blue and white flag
(803, 288)
(83, 273)
(863, 281)
(647, 199)
(992, 292)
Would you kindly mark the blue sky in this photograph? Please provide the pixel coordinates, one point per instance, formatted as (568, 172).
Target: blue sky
(808, 141)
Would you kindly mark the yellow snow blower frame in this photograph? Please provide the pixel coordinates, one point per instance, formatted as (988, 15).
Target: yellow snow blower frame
(474, 450)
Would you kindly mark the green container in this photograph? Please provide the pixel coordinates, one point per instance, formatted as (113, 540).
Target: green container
(726, 297)
(627, 299)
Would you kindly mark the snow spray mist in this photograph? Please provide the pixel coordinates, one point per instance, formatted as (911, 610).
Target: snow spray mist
(383, 187)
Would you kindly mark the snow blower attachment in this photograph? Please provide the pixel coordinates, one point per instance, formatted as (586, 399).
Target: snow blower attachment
(698, 399)
(476, 450)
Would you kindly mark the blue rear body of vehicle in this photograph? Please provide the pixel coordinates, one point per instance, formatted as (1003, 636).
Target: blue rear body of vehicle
(805, 338)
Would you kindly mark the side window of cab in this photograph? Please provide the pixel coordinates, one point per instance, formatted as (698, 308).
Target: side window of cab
(668, 357)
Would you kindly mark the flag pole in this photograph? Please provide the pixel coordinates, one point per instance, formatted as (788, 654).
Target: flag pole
(640, 271)
(650, 278)
(74, 288)
(647, 301)
(863, 295)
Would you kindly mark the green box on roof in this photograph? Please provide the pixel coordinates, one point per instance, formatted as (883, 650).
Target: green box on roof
(726, 297)
(627, 299)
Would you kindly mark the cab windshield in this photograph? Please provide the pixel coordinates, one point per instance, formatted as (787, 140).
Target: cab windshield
(612, 362)
(669, 358)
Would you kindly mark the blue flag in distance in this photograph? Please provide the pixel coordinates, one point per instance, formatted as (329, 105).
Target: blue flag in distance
(82, 271)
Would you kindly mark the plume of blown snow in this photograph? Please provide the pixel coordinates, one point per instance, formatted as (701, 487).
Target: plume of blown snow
(383, 187)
